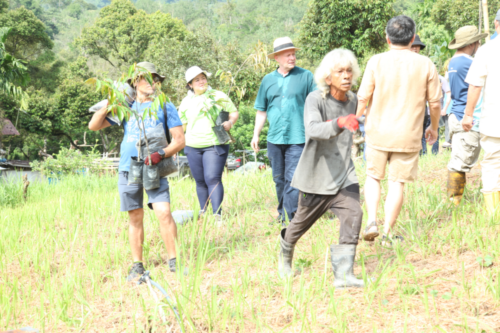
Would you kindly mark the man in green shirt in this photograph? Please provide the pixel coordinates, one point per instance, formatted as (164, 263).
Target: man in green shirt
(281, 99)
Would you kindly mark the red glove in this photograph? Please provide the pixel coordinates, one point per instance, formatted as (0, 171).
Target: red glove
(155, 159)
(348, 122)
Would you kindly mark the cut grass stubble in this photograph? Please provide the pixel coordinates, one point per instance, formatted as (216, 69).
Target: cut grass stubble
(65, 254)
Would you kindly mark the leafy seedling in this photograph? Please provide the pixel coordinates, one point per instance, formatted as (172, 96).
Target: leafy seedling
(485, 261)
(303, 263)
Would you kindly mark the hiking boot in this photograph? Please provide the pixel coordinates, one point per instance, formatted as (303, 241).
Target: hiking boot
(172, 266)
(136, 271)
(387, 241)
(342, 258)
(371, 232)
(285, 256)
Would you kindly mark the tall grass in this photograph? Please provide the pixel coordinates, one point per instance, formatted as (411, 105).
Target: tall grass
(64, 256)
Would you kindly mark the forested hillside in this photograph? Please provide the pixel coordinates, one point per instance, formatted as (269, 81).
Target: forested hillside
(58, 45)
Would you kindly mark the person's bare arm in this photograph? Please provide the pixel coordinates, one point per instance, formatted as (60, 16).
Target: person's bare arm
(99, 120)
(178, 141)
(443, 111)
(472, 98)
(260, 120)
(431, 133)
(360, 111)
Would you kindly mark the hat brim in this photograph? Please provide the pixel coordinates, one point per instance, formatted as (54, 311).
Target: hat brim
(271, 55)
(422, 45)
(453, 45)
(162, 78)
(207, 74)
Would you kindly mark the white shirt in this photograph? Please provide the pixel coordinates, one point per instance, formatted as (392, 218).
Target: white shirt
(485, 72)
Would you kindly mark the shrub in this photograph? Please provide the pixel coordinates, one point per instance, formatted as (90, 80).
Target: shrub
(69, 161)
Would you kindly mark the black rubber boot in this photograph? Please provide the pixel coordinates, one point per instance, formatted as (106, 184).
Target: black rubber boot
(342, 257)
(286, 257)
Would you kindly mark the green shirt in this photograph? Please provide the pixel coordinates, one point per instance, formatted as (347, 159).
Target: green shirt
(283, 98)
(199, 132)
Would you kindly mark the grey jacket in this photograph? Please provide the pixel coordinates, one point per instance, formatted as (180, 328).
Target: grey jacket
(325, 166)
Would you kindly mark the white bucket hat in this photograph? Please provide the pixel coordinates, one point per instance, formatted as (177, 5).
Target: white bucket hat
(194, 71)
(282, 44)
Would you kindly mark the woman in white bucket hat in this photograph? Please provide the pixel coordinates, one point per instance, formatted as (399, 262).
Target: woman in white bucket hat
(206, 153)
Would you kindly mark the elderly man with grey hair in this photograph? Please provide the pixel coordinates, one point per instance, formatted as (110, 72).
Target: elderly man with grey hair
(325, 174)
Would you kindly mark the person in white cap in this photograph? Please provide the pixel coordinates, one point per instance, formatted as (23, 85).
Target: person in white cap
(485, 73)
(281, 98)
(206, 154)
(465, 146)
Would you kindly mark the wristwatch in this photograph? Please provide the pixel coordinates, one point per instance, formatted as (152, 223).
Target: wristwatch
(162, 153)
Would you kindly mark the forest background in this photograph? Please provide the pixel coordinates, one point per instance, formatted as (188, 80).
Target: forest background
(54, 46)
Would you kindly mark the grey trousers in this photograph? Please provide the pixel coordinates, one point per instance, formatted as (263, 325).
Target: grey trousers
(465, 146)
(345, 205)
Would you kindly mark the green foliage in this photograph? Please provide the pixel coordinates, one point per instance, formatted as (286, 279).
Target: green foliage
(28, 38)
(115, 91)
(352, 24)
(243, 21)
(68, 161)
(121, 33)
(243, 129)
(11, 194)
(12, 72)
(63, 114)
(454, 14)
(486, 261)
(174, 57)
(436, 38)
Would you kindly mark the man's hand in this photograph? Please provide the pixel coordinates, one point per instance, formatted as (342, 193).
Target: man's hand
(431, 135)
(467, 123)
(348, 122)
(443, 112)
(255, 143)
(155, 159)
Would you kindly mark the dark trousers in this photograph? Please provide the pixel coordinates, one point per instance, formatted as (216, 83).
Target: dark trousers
(345, 205)
(435, 146)
(207, 165)
(284, 160)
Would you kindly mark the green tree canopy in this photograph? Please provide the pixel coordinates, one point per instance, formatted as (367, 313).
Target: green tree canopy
(28, 37)
(357, 25)
(122, 33)
(454, 14)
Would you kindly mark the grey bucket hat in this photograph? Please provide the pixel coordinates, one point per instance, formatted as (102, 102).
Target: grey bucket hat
(150, 68)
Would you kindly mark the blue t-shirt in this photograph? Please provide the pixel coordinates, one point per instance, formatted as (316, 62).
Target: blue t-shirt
(457, 72)
(131, 131)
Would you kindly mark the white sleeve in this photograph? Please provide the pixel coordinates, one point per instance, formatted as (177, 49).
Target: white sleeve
(478, 70)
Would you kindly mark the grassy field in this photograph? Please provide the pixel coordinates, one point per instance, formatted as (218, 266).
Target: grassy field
(64, 256)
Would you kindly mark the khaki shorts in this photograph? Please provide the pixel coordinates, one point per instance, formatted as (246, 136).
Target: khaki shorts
(403, 167)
